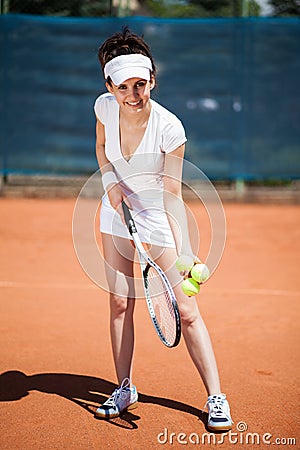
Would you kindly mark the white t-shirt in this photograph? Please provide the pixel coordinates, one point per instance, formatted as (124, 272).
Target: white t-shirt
(140, 177)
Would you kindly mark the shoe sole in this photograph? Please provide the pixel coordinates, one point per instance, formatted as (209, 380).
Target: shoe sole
(112, 416)
(227, 428)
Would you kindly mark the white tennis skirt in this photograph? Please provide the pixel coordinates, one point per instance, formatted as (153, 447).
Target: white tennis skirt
(150, 218)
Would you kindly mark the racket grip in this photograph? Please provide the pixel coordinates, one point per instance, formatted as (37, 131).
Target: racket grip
(128, 218)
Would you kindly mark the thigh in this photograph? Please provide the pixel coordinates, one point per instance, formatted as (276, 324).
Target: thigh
(119, 258)
(166, 259)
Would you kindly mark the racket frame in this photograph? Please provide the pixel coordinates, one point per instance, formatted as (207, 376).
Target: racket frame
(146, 263)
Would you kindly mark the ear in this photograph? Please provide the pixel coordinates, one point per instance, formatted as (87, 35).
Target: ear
(152, 82)
(109, 88)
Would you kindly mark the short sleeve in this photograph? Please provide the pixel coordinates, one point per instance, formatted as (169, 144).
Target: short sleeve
(101, 107)
(173, 136)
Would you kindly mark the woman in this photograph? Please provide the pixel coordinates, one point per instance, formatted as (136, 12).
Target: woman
(140, 149)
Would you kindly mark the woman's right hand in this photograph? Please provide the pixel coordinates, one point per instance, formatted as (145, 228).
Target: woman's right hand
(116, 197)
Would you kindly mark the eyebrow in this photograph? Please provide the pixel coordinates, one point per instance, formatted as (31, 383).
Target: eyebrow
(138, 81)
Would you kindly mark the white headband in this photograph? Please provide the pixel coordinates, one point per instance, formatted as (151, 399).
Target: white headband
(124, 67)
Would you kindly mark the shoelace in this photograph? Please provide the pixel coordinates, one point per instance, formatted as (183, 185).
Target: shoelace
(217, 403)
(118, 393)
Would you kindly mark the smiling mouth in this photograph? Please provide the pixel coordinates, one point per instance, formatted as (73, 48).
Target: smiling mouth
(134, 103)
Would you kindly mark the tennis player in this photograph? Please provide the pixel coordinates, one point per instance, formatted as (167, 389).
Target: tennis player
(140, 148)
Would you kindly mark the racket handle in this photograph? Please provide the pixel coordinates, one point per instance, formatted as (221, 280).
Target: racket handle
(128, 218)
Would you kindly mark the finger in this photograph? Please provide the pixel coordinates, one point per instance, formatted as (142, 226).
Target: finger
(126, 200)
(119, 210)
(128, 204)
(184, 273)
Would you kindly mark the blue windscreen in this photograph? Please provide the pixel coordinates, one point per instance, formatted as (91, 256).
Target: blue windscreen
(234, 83)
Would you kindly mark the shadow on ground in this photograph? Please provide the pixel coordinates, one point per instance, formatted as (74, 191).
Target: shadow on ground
(87, 392)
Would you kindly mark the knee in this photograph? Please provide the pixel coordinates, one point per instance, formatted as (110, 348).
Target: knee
(121, 286)
(118, 305)
(188, 315)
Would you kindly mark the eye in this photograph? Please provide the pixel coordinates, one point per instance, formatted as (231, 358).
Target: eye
(140, 84)
(122, 87)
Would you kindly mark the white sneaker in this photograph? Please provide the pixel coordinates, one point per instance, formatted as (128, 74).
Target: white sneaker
(218, 413)
(123, 398)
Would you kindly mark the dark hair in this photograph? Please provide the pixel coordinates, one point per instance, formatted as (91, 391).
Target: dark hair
(124, 43)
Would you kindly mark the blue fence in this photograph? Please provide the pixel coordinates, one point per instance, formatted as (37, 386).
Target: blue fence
(234, 84)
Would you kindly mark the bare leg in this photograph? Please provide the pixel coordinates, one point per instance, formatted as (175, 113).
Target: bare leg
(193, 327)
(119, 255)
(198, 343)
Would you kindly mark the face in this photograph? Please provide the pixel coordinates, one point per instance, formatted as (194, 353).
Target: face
(133, 94)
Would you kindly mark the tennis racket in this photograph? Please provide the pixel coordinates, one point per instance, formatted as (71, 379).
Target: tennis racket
(160, 298)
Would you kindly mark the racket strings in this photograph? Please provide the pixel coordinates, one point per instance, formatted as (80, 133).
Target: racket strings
(162, 304)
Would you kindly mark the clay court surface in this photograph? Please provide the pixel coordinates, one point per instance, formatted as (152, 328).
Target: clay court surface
(56, 362)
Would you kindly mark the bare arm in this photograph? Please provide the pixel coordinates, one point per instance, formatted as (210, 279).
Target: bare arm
(173, 202)
(114, 192)
(104, 164)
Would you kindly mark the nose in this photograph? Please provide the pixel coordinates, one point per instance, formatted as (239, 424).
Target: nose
(133, 93)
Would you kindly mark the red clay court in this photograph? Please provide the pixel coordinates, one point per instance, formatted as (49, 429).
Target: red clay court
(56, 362)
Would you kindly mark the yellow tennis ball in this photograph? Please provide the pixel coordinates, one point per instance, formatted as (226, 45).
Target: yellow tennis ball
(200, 273)
(184, 263)
(190, 287)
